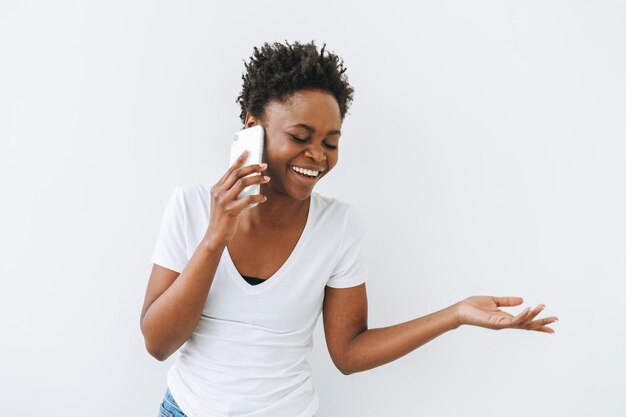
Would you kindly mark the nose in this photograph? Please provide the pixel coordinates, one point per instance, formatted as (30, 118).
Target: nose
(316, 155)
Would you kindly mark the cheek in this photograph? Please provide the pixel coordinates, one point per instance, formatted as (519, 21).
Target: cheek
(278, 149)
(333, 160)
(277, 157)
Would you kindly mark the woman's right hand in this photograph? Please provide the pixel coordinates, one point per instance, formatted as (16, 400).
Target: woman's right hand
(225, 207)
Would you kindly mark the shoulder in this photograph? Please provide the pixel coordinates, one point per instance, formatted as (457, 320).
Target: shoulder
(326, 204)
(192, 194)
(190, 200)
(335, 208)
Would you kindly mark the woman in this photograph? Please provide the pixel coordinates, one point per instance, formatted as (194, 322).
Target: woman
(242, 288)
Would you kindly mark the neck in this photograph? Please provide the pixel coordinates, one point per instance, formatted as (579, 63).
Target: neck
(279, 210)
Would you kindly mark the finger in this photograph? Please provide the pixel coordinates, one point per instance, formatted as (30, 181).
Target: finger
(520, 317)
(508, 301)
(238, 162)
(243, 183)
(242, 204)
(542, 322)
(544, 329)
(532, 314)
(242, 172)
(524, 319)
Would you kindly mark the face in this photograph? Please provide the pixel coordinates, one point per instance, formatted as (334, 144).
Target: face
(302, 132)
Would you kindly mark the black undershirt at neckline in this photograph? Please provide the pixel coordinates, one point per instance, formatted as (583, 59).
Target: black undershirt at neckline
(253, 280)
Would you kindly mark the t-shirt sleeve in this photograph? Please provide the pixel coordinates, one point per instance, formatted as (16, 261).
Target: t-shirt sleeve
(351, 267)
(170, 250)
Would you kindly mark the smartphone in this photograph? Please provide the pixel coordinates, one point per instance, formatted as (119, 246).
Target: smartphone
(252, 139)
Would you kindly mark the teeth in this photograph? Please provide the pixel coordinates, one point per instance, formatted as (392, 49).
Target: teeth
(305, 171)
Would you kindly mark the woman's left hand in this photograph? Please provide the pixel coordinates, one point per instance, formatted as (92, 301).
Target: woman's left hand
(483, 311)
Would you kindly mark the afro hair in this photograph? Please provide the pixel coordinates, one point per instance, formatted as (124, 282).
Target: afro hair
(277, 71)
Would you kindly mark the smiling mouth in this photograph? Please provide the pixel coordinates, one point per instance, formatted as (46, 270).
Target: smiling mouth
(307, 179)
(306, 172)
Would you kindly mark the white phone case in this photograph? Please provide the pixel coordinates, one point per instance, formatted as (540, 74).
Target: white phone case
(251, 139)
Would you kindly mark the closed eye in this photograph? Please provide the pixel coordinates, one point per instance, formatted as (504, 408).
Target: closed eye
(305, 140)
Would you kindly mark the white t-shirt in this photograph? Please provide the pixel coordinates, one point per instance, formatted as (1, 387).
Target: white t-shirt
(247, 357)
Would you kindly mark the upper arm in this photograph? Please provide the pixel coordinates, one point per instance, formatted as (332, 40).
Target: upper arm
(345, 317)
(160, 280)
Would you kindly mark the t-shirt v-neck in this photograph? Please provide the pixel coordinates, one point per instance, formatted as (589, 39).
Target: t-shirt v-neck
(253, 280)
(284, 268)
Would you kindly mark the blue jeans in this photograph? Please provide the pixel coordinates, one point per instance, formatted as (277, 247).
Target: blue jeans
(169, 408)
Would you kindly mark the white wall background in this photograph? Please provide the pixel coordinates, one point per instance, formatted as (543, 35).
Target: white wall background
(486, 150)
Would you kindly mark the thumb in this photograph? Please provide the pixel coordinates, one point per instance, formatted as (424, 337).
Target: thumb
(508, 301)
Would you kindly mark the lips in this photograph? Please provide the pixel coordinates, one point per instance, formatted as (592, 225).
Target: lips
(304, 179)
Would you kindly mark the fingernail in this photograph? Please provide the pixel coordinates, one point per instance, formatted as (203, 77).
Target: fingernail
(266, 178)
(263, 165)
(245, 151)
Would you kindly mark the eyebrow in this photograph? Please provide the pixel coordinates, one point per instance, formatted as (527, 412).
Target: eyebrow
(312, 130)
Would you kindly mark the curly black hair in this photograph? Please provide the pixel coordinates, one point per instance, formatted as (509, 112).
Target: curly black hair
(277, 71)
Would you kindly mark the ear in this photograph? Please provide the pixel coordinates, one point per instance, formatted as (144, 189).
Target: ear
(250, 121)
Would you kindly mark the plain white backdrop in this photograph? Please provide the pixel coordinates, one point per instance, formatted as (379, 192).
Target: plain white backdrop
(485, 149)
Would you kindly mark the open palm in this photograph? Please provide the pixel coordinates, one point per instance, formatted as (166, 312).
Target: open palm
(484, 311)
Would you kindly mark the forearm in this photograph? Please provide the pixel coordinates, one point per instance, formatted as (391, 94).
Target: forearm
(171, 318)
(376, 347)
